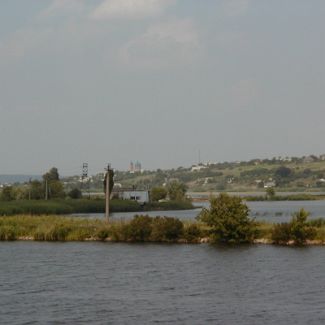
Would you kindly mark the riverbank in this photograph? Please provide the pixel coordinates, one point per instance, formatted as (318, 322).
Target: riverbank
(69, 206)
(139, 229)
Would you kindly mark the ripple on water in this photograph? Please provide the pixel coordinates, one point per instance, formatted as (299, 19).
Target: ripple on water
(167, 284)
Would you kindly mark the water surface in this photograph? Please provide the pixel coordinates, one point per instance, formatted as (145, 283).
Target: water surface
(270, 211)
(106, 283)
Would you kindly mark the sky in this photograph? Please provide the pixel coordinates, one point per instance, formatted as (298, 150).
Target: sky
(110, 81)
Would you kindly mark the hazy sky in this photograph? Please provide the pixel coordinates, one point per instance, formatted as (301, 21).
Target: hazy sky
(102, 81)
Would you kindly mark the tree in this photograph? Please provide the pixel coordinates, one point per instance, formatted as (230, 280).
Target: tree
(229, 220)
(176, 191)
(36, 190)
(56, 190)
(158, 193)
(283, 172)
(7, 194)
(53, 184)
(52, 175)
(75, 194)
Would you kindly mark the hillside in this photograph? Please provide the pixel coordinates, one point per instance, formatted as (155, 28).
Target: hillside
(290, 174)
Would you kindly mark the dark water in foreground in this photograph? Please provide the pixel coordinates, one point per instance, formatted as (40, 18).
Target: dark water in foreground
(105, 283)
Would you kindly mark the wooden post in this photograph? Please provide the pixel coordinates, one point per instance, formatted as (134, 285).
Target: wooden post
(46, 190)
(107, 194)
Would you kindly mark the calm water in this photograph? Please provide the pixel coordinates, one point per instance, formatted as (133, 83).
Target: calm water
(263, 211)
(105, 283)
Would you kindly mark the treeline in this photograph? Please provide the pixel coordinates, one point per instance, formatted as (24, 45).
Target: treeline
(50, 187)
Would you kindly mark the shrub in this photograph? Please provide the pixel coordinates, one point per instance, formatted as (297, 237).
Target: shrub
(281, 233)
(7, 232)
(166, 229)
(7, 194)
(192, 233)
(75, 194)
(297, 230)
(102, 233)
(120, 231)
(140, 228)
(158, 193)
(229, 220)
(300, 229)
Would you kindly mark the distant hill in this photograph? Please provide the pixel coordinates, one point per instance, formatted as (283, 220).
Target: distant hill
(11, 179)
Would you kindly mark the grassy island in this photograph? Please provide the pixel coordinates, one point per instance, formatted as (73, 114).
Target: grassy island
(141, 228)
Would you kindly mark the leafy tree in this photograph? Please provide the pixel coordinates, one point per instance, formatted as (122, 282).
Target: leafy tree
(283, 172)
(270, 193)
(75, 194)
(176, 191)
(52, 175)
(7, 194)
(54, 186)
(56, 190)
(158, 193)
(229, 220)
(36, 190)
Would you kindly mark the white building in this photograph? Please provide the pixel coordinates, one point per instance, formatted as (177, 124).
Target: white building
(197, 168)
(135, 195)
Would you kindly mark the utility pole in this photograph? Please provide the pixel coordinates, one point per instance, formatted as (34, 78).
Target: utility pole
(107, 196)
(29, 189)
(46, 190)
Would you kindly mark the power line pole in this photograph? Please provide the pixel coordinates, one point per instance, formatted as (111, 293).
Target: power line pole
(46, 190)
(29, 189)
(107, 196)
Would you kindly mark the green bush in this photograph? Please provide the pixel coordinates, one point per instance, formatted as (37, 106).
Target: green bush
(158, 193)
(102, 233)
(75, 194)
(166, 229)
(298, 230)
(281, 233)
(7, 232)
(229, 220)
(192, 233)
(140, 228)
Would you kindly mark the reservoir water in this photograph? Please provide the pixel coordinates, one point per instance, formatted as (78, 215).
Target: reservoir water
(106, 283)
(270, 211)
